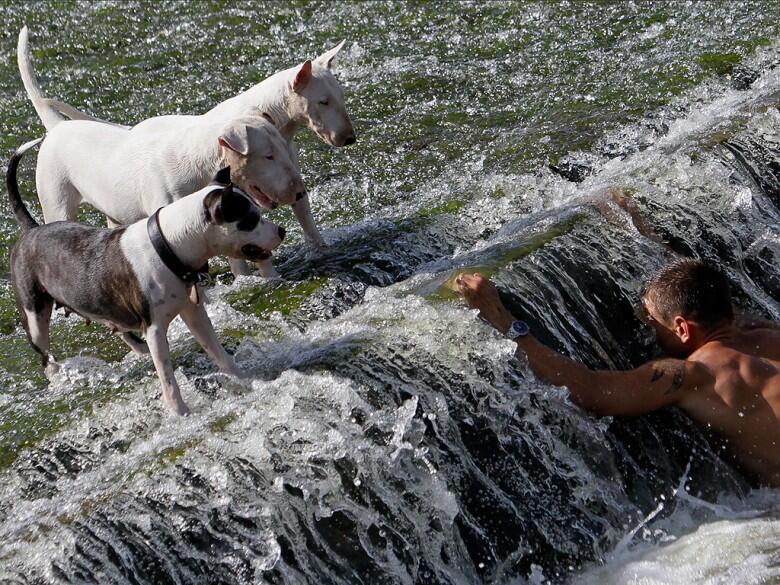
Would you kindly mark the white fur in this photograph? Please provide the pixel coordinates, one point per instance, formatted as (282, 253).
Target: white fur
(292, 98)
(290, 107)
(128, 176)
(193, 240)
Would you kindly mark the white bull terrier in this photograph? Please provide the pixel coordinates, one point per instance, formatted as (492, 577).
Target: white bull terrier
(136, 277)
(304, 95)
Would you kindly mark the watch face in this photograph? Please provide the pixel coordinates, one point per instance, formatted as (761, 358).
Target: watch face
(517, 329)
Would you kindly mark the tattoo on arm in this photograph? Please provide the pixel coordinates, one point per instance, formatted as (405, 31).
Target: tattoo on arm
(674, 368)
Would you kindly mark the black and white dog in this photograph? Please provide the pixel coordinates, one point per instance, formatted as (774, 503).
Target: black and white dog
(138, 277)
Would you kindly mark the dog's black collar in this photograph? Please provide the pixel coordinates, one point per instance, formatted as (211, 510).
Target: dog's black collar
(189, 275)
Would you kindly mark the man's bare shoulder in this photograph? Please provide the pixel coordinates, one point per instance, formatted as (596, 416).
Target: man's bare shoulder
(675, 376)
(763, 342)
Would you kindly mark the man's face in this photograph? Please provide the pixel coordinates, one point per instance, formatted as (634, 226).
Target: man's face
(665, 335)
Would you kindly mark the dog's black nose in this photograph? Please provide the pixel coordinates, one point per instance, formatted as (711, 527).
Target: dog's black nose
(300, 195)
(282, 231)
(350, 140)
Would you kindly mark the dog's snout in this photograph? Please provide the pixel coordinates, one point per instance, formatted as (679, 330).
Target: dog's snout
(282, 232)
(351, 139)
(300, 195)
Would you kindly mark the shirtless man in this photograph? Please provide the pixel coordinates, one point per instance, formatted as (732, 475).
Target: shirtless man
(722, 375)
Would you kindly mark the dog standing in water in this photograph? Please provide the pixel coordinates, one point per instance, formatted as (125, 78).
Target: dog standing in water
(304, 95)
(138, 277)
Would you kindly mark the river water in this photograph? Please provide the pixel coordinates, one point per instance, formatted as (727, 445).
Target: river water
(385, 435)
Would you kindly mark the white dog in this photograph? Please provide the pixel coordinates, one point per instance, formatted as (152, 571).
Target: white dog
(136, 277)
(304, 95)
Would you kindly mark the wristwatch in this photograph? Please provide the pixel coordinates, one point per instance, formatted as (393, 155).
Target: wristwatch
(517, 329)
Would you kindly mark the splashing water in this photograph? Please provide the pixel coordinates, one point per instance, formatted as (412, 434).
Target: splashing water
(385, 435)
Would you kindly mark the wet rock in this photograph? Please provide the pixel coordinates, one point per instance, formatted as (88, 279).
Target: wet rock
(635, 137)
(575, 167)
(759, 159)
(742, 77)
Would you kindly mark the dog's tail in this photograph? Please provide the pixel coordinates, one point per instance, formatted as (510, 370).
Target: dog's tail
(70, 112)
(23, 216)
(48, 115)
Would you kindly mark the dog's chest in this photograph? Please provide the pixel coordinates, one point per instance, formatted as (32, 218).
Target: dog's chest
(164, 292)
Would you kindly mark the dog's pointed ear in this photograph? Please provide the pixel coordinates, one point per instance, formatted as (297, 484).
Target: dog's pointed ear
(302, 77)
(225, 205)
(235, 138)
(222, 177)
(212, 206)
(326, 59)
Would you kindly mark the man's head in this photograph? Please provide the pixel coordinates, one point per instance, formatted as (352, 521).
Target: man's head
(685, 301)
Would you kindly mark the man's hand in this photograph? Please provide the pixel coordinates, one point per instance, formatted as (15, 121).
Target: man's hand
(481, 294)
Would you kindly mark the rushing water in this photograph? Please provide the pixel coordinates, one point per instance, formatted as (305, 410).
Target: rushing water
(385, 435)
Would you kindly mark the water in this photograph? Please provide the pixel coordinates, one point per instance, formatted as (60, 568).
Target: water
(385, 435)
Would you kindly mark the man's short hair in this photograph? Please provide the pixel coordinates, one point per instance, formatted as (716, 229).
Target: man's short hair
(694, 289)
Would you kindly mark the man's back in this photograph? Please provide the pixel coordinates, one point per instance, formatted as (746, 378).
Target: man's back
(739, 397)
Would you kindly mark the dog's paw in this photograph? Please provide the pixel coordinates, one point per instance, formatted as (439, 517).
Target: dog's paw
(230, 368)
(175, 403)
(241, 374)
(51, 369)
(179, 408)
(318, 244)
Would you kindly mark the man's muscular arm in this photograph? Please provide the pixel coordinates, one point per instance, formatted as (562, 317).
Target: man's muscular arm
(606, 392)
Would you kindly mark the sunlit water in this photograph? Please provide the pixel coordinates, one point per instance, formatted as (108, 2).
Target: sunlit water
(385, 435)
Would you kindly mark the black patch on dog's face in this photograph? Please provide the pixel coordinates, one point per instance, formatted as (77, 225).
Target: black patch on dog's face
(226, 206)
(249, 221)
(234, 205)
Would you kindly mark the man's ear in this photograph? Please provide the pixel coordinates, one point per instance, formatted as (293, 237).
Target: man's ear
(222, 177)
(235, 138)
(302, 77)
(326, 59)
(682, 328)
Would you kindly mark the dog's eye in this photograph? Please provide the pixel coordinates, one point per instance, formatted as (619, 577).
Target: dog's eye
(324, 102)
(270, 157)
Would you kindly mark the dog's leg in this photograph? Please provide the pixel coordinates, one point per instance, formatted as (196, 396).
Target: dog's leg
(198, 322)
(59, 200)
(302, 212)
(266, 269)
(239, 267)
(302, 209)
(157, 339)
(135, 343)
(36, 324)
